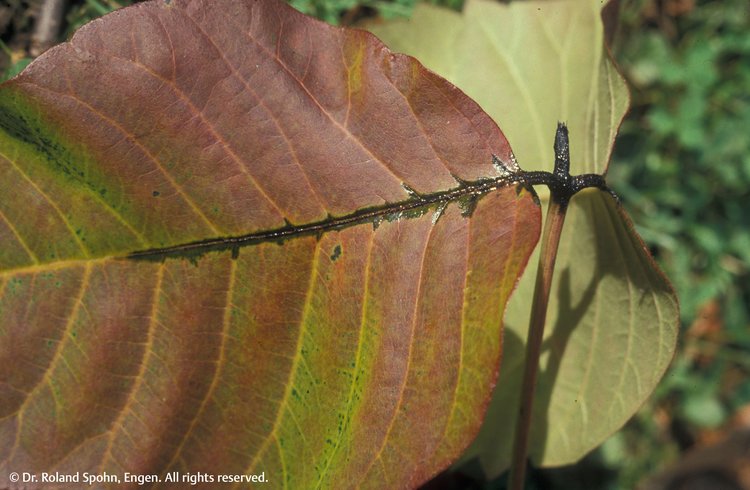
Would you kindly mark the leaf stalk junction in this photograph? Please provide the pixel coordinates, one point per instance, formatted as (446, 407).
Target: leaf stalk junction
(562, 187)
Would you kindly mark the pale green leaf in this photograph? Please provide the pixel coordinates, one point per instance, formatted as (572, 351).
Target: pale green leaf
(611, 333)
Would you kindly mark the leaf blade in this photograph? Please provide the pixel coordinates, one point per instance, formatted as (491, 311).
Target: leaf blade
(142, 138)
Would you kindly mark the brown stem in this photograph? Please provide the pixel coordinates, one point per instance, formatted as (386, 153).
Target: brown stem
(47, 27)
(550, 241)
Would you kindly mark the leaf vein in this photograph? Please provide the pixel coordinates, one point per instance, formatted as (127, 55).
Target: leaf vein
(19, 238)
(52, 203)
(357, 361)
(533, 110)
(139, 379)
(415, 316)
(56, 356)
(295, 363)
(274, 118)
(337, 124)
(220, 363)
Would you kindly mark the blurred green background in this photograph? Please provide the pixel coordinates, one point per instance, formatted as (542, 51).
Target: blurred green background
(682, 168)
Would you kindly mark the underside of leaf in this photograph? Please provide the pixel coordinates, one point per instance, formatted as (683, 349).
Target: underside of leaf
(610, 338)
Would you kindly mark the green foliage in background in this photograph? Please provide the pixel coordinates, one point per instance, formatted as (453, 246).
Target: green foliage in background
(685, 149)
(682, 168)
(82, 12)
(15, 66)
(344, 11)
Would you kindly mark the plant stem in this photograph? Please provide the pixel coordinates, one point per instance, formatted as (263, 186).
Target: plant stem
(550, 241)
(47, 28)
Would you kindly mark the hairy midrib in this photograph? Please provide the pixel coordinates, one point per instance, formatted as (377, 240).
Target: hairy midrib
(466, 193)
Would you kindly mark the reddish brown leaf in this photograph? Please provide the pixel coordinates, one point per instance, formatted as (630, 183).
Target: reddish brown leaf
(361, 350)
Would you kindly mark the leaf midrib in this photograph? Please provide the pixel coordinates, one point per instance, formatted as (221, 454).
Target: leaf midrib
(466, 193)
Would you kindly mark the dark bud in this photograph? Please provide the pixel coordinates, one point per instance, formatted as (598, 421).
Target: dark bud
(562, 152)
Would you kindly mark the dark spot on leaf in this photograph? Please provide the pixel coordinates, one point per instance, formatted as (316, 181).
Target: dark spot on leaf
(336, 253)
(156, 193)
